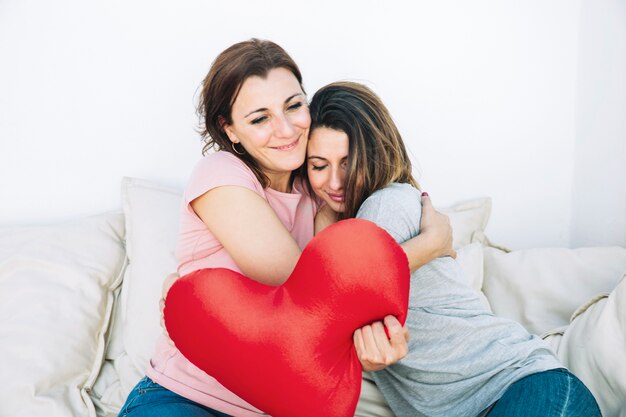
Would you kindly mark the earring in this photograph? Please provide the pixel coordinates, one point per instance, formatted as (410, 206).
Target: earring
(232, 144)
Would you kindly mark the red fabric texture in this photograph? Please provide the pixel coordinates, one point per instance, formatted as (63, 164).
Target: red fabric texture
(288, 350)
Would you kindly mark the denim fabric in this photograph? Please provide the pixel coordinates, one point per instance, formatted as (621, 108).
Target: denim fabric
(149, 399)
(552, 393)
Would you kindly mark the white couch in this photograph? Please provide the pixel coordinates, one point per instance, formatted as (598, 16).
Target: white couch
(79, 303)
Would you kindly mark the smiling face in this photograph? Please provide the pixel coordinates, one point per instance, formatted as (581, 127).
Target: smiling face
(327, 158)
(271, 121)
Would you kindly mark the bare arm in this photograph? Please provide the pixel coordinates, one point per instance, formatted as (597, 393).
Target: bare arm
(253, 235)
(250, 232)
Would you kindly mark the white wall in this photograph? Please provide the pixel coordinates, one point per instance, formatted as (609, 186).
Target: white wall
(491, 97)
(599, 197)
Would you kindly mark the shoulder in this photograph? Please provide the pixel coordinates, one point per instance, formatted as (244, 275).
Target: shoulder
(396, 208)
(220, 169)
(398, 190)
(221, 160)
(401, 198)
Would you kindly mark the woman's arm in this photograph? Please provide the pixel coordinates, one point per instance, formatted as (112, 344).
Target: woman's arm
(434, 240)
(250, 232)
(264, 250)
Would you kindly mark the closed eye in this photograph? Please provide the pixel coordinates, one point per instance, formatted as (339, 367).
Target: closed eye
(261, 119)
(258, 120)
(318, 168)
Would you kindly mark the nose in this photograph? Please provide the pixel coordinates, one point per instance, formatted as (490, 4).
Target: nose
(336, 179)
(283, 127)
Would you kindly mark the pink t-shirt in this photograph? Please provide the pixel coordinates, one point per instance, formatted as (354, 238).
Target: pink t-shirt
(197, 248)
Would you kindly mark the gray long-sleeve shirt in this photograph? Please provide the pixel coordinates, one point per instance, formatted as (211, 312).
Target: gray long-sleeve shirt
(461, 357)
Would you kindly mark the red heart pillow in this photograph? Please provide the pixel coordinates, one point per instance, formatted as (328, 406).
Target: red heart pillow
(288, 350)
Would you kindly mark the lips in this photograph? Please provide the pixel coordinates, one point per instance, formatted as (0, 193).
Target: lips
(287, 147)
(336, 197)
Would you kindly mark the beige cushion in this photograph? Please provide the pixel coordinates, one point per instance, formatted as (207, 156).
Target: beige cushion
(469, 220)
(108, 394)
(152, 221)
(56, 297)
(152, 213)
(594, 348)
(470, 258)
(541, 288)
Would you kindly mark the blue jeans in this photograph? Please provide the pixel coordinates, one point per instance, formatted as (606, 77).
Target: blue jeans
(149, 399)
(556, 392)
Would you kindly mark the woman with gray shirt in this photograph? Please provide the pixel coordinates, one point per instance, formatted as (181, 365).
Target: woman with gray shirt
(462, 360)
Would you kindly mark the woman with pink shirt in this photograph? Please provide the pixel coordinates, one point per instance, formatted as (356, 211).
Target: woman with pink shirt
(246, 208)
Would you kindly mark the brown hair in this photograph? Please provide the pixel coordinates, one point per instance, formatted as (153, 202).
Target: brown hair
(377, 155)
(221, 86)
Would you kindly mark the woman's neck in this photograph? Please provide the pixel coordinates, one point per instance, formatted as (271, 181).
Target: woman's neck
(280, 182)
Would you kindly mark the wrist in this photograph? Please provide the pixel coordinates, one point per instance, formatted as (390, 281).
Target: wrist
(429, 246)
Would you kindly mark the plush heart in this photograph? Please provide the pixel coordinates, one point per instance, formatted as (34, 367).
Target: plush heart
(288, 350)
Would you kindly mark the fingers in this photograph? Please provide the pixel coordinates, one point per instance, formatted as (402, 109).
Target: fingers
(426, 203)
(370, 355)
(359, 344)
(377, 351)
(437, 226)
(367, 346)
(398, 334)
(429, 214)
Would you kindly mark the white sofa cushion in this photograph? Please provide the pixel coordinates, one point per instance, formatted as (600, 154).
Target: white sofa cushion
(469, 220)
(152, 215)
(541, 288)
(56, 297)
(594, 348)
(470, 258)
